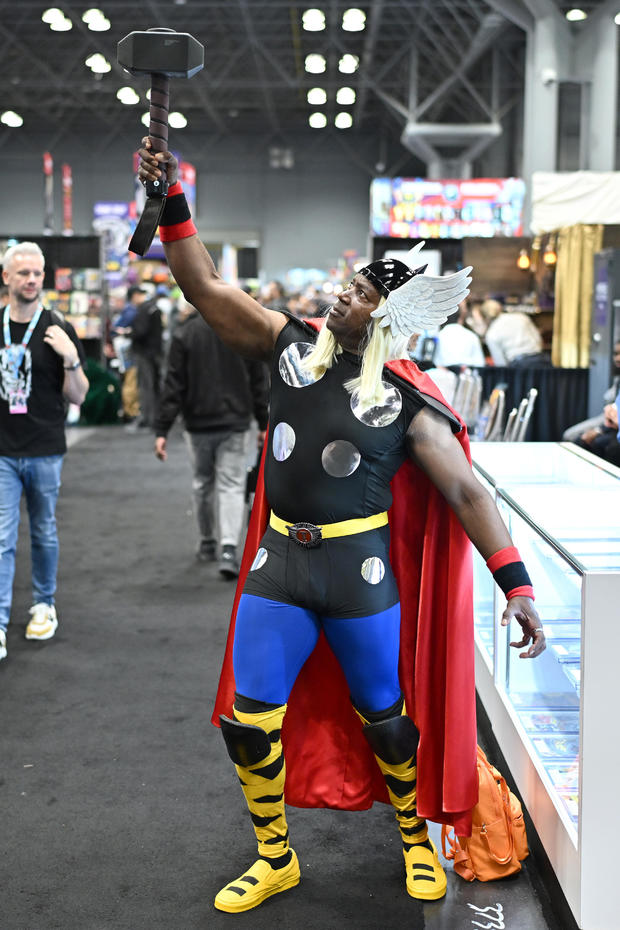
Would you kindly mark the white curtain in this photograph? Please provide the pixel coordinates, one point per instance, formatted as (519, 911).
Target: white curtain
(567, 198)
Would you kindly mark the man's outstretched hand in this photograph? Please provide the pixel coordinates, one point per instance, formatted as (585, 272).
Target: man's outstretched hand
(522, 609)
(150, 164)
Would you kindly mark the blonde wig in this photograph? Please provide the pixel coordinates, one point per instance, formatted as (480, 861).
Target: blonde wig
(380, 348)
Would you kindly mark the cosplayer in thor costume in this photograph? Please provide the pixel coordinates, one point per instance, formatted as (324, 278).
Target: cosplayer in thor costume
(364, 613)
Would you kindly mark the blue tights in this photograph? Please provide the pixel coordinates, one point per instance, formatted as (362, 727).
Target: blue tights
(273, 640)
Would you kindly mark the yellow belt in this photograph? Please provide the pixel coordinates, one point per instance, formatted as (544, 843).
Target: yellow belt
(329, 530)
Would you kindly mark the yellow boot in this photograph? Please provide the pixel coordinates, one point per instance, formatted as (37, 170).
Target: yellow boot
(394, 742)
(254, 745)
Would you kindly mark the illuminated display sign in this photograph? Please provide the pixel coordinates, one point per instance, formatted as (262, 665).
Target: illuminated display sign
(418, 208)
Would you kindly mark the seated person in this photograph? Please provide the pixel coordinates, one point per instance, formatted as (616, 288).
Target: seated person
(603, 440)
(512, 338)
(588, 430)
(456, 344)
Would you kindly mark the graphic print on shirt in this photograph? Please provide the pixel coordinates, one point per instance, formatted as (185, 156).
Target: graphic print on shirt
(14, 384)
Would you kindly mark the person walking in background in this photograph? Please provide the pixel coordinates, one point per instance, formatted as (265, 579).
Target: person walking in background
(40, 368)
(120, 334)
(146, 347)
(216, 392)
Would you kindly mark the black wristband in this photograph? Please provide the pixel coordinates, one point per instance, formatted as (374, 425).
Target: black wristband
(176, 210)
(511, 576)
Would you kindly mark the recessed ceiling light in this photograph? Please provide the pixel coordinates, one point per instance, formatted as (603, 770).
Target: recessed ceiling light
(51, 15)
(145, 119)
(345, 96)
(317, 120)
(343, 121)
(315, 64)
(127, 95)
(313, 20)
(353, 20)
(348, 64)
(177, 120)
(12, 119)
(98, 64)
(576, 15)
(317, 97)
(617, 19)
(61, 25)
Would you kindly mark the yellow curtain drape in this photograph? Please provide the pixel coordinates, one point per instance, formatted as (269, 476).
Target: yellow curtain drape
(574, 281)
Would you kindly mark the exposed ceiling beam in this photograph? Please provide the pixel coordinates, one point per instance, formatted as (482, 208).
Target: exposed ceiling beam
(490, 28)
(515, 11)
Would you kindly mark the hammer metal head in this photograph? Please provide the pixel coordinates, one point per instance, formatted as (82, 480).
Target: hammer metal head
(175, 54)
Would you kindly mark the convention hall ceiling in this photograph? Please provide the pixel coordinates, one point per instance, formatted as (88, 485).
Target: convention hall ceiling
(440, 61)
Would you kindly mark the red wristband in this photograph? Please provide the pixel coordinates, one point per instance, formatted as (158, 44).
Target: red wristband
(503, 557)
(524, 590)
(176, 221)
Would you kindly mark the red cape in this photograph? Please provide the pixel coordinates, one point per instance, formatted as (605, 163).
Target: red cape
(328, 761)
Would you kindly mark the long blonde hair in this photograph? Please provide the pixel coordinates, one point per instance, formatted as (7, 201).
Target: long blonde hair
(381, 347)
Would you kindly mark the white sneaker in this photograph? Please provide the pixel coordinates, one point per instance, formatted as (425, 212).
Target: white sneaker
(44, 622)
(2, 644)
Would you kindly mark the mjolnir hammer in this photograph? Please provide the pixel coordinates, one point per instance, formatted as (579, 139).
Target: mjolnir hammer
(162, 53)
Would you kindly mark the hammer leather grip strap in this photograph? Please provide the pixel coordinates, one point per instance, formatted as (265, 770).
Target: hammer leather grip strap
(510, 573)
(176, 220)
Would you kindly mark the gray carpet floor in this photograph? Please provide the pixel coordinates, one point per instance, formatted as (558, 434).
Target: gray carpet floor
(120, 808)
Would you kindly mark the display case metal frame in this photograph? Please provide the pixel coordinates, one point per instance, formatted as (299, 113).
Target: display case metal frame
(580, 856)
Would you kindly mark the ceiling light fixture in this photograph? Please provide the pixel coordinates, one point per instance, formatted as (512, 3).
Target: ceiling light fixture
(177, 120)
(98, 64)
(348, 64)
(50, 16)
(353, 20)
(315, 64)
(12, 119)
(345, 96)
(313, 20)
(576, 15)
(98, 23)
(145, 119)
(343, 121)
(316, 97)
(317, 120)
(617, 19)
(127, 95)
(61, 25)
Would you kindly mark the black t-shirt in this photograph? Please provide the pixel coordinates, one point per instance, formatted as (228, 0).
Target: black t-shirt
(41, 430)
(327, 460)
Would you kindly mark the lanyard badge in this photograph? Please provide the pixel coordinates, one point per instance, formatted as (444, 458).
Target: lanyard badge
(17, 393)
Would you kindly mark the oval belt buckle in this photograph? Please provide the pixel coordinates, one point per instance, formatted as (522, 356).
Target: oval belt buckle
(306, 535)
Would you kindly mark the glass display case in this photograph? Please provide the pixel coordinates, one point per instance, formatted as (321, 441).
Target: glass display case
(563, 513)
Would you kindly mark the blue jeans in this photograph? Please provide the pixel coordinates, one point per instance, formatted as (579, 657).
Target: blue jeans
(39, 478)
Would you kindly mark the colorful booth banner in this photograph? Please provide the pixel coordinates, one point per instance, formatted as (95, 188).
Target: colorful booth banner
(419, 208)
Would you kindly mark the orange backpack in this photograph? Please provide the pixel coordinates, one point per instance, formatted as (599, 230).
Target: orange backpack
(498, 842)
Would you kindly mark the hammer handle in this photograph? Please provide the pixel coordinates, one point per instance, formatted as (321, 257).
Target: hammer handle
(158, 129)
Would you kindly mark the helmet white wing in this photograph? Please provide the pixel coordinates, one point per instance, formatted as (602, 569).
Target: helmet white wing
(423, 302)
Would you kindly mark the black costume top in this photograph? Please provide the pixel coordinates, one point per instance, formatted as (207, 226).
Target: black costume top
(342, 467)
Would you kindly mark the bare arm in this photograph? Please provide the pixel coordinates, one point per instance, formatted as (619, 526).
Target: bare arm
(75, 384)
(434, 448)
(236, 317)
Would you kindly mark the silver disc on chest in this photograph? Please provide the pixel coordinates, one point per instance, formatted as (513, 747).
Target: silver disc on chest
(340, 458)
(283, 441)
(378, 414)
(290, 365)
